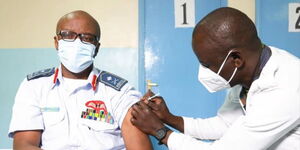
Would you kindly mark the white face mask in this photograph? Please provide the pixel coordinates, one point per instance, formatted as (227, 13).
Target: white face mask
(76, 56)
(213, 81)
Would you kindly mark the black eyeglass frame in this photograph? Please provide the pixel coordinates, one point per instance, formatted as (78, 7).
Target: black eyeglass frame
(80, 35)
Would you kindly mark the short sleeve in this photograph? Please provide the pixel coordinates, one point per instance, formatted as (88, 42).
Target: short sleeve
(26, 114)
(123, 101)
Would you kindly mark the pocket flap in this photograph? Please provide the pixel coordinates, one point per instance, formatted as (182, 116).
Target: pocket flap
(98, 125)
(52, 117)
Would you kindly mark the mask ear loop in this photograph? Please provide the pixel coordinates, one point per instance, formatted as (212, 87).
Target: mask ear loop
(223, 66)
(224, 61)
(232, 75)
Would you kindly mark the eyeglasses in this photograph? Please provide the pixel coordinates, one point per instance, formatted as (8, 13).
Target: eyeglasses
(71, 36)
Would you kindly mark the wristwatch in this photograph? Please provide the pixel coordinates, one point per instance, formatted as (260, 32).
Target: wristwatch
(161, 133)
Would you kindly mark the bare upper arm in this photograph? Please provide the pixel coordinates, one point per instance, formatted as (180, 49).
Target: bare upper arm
(134, 138)
(30, 139)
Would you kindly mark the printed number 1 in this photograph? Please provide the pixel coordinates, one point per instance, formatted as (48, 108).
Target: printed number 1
(184, 13)
(297, 26)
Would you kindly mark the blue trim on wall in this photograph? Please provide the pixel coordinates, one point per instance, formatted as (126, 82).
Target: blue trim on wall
(224, 3)
(257, 17)
(141, 56)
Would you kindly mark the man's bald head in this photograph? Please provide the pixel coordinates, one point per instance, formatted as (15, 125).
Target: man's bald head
(227, 28)
(79, 14)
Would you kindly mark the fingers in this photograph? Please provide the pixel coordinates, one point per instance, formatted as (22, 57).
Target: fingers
(140, 108)
(148, 94)
(133, 120)
(153, 105)
(136, 110)
(157, 99)
(143, 106)
(139, 111)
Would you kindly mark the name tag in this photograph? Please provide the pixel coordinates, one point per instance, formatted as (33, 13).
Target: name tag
(50, 109)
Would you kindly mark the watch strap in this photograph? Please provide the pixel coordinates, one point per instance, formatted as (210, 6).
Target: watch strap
(165, 131)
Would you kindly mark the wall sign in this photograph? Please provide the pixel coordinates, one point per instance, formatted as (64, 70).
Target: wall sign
(184, 13)
(294, 17)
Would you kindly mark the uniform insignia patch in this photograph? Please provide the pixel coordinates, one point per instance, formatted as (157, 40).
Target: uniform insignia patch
(96, 110)
(42, 73)
(112, 80)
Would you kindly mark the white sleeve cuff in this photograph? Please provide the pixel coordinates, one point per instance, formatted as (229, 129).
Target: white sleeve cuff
(188, 125)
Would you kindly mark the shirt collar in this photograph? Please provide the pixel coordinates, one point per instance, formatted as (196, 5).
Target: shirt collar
(92, 78)
(264, 57)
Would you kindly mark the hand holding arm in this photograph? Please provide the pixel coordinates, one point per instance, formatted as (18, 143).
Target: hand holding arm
(144, 119)
(159, 107)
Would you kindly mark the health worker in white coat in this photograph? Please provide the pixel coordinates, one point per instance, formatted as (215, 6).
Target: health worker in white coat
(262, 108)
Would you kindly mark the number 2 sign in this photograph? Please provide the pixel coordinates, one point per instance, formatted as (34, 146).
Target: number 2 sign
(294, 17)
(184, 13)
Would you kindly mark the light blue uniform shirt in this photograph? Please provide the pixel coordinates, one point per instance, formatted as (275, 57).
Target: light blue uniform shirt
(82, 114)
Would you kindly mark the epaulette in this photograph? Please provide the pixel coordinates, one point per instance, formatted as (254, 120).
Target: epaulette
(42, 73)
(112, 80)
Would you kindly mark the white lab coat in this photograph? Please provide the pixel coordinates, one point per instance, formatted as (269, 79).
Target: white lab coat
(271, 121)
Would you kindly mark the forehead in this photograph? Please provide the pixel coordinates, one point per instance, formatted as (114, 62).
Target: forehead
(78, 24)
(204, 47)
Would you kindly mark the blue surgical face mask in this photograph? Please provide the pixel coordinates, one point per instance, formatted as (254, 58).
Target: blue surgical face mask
(213, 81)
(76, 56)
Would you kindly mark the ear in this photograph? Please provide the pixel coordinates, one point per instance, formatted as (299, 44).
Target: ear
(97, 49)
(238, 59)
(56, 42)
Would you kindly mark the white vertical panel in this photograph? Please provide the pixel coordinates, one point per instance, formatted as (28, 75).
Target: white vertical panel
(184, 13)
(294, 17)
(246, 6)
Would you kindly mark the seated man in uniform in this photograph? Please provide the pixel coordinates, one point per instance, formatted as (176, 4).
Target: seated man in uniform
(76, 105)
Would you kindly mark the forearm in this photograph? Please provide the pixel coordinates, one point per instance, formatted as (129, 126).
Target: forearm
(175, 122)
(210, 128)
(179, 141)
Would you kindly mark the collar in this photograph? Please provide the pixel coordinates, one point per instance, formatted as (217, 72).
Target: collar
(264, 57)
(267, 78)
(92, 78)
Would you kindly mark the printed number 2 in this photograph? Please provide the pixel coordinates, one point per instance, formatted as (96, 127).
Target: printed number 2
(297, 26)
(184, 13)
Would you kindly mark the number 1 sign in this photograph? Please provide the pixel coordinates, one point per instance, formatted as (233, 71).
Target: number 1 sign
(184, 13)
(294, 17)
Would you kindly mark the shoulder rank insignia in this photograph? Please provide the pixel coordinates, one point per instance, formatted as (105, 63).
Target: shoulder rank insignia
(112, 80)
(42, 73)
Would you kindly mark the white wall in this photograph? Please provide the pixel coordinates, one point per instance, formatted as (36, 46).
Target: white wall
(246, 6)
(32, 23)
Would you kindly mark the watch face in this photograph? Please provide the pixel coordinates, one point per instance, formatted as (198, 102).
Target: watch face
(160, 134)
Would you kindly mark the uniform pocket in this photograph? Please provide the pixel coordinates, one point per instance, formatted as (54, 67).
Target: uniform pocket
(98, 125)
(52, 118)
(55, 128)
